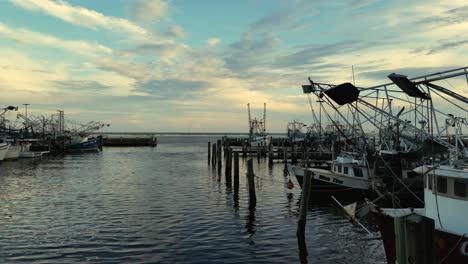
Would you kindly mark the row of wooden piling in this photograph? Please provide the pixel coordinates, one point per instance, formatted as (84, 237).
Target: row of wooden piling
(215, 154)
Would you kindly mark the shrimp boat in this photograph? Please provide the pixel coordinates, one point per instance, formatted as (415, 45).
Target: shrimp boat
(25, 149)
(347, 173)
(446, 202)
(258, 138)
(3, 150)
(13, 152)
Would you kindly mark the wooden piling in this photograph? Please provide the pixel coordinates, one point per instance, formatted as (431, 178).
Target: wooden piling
(414, 239)
(228, 168)
(236, 171)
(209, 152)
(251, 181)
(270, 155)
(213, 156)
(305, 196)
(219, 156)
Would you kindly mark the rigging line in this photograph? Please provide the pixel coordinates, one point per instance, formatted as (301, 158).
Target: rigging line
(402, 183)
(449, 101)
(454, 247)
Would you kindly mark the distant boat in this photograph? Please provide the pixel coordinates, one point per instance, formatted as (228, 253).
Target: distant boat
(13, 152)
(3, 150)
(85, 145)
(26, 152)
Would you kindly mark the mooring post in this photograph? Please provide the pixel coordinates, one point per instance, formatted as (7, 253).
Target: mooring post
(251, 181)
(414, 235)
(228, 169)
(294, 154)
(270, 155)
(258, 154)
(305, 196)
(285, 154)
(219, 158)
(213, 156)
(236, 171)
(209, 152)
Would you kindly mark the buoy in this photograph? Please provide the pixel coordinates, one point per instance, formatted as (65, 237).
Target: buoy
(290, 184)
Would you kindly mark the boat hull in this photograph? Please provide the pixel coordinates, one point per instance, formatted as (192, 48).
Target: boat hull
(450, 248)
(3, 150)
(323, 190)
(91, 145)
(13, 153)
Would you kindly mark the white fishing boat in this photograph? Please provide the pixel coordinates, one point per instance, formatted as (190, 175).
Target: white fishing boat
(3, 150)
(347, 172)
(446, 202)
(257, 131)
(13, 152)
(25, 152)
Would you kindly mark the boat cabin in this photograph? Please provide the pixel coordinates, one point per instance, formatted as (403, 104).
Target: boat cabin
(446, 197)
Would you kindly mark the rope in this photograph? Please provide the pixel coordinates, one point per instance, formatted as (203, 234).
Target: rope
(404, 185)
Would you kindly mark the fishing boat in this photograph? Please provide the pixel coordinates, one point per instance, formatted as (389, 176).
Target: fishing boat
(25, 149)
(3, 150)
(84, 144)
(13, 152)
(446, 202)
(346, 173)
(295, 131)
(258, 138)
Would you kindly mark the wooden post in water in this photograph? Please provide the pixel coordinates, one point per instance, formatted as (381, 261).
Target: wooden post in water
(236, 171)
(236, 179)
(251, 181)
(209, 152)
(270, 155)
(258, 154)
(305, 196)
(414, 239)
(213, 156)
(219, 158)
(228, 169)
(294, 155)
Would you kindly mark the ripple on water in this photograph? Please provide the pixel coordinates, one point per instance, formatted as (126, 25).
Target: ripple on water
(161, 205)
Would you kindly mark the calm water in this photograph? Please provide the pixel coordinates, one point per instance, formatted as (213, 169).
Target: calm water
(162, 205)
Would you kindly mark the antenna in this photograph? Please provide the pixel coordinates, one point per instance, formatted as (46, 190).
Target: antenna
(264, 117)
(352, 69)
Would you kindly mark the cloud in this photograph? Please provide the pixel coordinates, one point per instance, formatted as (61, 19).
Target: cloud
(449, 17)
(250, 51)
(150, 10)
(128, 69)
(213, 41)
(176, 32)
(173, 89)
(80, 16)
(35, 38)
(447, 45)
(79, 86)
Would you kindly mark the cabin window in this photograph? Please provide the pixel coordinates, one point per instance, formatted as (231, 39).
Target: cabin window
(339, 168)
(429, 181)
(441, 184)
(459, 188)
(357, 172)
(345, 170)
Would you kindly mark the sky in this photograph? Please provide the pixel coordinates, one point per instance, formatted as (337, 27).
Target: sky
(193, 65)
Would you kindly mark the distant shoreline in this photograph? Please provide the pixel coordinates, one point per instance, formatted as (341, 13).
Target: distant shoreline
(179, 133)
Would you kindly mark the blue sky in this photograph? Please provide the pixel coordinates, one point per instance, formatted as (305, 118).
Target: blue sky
(157, 65)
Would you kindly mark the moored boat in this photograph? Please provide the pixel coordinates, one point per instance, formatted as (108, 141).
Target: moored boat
(3, 150)
(85, 145)
(446, 202)
(13, 152)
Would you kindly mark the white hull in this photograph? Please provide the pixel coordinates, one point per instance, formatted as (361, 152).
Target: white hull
(333, 178)
(3, 150)
(13, 153)
(30, 154)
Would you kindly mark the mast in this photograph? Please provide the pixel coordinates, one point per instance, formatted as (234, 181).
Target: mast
(264, 118)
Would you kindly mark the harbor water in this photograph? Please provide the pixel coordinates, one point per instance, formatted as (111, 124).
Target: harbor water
(163, 205)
